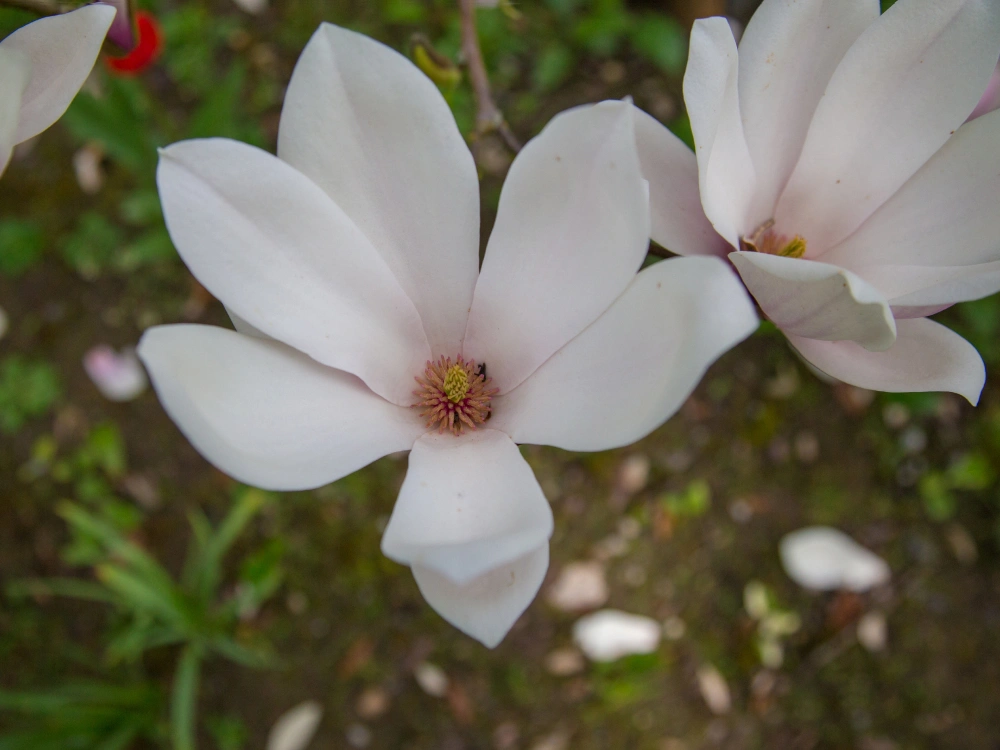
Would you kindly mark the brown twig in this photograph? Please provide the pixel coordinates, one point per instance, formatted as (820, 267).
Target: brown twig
(489, 118)
(39, 7)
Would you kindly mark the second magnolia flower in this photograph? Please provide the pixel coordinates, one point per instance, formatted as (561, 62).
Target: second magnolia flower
(350, 266)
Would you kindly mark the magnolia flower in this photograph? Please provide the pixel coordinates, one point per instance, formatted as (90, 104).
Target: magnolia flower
(349, 264)
(42, 66)
(834, 164)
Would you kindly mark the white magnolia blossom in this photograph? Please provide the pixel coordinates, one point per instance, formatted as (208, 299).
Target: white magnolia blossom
(350, 266)
(834, 163)
(825, 559)
(42, 67)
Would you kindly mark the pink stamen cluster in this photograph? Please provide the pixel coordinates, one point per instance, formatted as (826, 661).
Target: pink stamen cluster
(470, 411)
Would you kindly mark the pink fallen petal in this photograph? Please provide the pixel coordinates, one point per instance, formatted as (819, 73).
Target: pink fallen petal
(119, 377)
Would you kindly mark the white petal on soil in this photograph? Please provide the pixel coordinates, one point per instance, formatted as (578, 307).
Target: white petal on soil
(375, 133)
(62, 50)
(787, 55)
(677, 219)
(282, 256)
(817, 300)
(872, 631)
(468, 505)
(714, 690)
(487, 607)
(634, 367)
(610, 634)
(267, 414)
(945, 215)
(431, 678)
(295, 728)
(908, 83)
(926, 357)
(118, 376)
(572, 229)
(15, 70)
(253, 7)
(825, 559)
(711, 93)
(580, 586)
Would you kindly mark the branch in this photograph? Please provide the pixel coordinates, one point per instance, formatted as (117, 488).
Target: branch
(489, 118)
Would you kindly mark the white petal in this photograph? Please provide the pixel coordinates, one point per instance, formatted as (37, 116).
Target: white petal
(926, 357)
(15, 69)
(295, 728)
(119, 377)
(906, 85)
(711, 93)
(611, 634)
(677, 220)
(266, 414)
(572, 229)
(62, 50)
(279, 253)
(787, 55)
(945, 215)
(375, 133)
(488, 606)
(468, 505)
(817, 300)
(933, 286)
(825, 559)
(636, 364)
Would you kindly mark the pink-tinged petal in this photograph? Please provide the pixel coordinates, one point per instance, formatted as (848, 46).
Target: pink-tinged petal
(62, 50)
(902, 90)
(572, 229)
(488, 606)
(468, 505)
(945, 215)
(926, 357)
(375, 133)
(787, 56)
(281, 255)
(711, 93)
(118, 376)
(817, 300)
(933, 286)
(635, 365)
(121, 32)
(990, 99)
(677, 220)
(267, 414)
(15, 70)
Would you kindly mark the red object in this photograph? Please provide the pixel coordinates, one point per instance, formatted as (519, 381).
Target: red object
(146, 50)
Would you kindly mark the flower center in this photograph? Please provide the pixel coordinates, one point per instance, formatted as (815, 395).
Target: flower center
(766, 240)
(454, 395)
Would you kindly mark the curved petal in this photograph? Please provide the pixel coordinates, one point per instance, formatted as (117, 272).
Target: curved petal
(375, 133)
(488, 606)
(902, 90)
(267, 414)
(572, 229)
(945, 215)
(711, 93)
(62, 50)
(787, 54)
(635, 365)
(933, 286)
(926, 357)
(280, 254)
(817, 300)
(468, 505)
(677, 220)
(15, 70)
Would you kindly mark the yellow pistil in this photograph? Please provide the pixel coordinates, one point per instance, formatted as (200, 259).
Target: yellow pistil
(456, 383)
(766, 240)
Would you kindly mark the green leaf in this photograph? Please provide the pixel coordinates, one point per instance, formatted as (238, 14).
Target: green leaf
(935, 491)
(553, 66)
(184, 699)
(139, 595)
(662, 40)
(971, 472)
(21, 245)
(69, 587)
(92, 245)
(119, 122)
(28, 388)
(210, 565)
